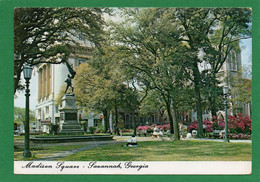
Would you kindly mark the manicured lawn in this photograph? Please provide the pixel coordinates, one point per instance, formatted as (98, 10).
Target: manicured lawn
(43, 151)
(167, 151)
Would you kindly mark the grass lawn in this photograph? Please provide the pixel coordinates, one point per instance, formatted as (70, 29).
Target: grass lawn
(168, 151)
(43, 151)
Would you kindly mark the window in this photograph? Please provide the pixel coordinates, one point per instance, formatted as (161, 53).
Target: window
(47, 109)
(39, 112)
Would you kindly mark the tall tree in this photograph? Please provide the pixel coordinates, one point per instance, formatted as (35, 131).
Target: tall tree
(92, 92)
(230, 25)
(215, 32)
(48, 35)
(97, 83)
(150, 40)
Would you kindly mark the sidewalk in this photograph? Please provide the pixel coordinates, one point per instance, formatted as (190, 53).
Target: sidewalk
(221, 140)
(89, 145)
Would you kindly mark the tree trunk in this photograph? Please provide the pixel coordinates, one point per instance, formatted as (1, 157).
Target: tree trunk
(213, 95)
(134, 122)
(106, 119)
(197, 81)
(175, 121)
(116, 123)
(168, 107)
(160, 116)
(213, 106)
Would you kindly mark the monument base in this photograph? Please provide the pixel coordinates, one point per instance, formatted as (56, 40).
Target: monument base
(69, 116)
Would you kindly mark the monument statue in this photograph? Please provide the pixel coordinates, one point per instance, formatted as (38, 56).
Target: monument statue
(69, 123)
(69, 78)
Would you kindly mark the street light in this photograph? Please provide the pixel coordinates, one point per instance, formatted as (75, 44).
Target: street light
(225, 92)
(27, 72)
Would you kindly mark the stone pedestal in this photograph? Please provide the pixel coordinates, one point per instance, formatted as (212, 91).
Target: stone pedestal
(69, 116)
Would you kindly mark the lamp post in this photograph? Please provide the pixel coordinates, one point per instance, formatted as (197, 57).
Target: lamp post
(225, 92)
(27, 71)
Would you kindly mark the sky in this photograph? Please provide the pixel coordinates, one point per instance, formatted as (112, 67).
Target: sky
(246, 51)
(19, 101)
(246, 57)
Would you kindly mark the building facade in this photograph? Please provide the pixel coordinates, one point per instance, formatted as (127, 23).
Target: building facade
(229, 70)
(51, 81)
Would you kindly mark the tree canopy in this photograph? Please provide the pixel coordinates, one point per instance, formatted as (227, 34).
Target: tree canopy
(19, 115)
(49, 34)
(162, 50)
(164, 59)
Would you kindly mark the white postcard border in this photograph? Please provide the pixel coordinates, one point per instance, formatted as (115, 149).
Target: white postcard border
(134, 167)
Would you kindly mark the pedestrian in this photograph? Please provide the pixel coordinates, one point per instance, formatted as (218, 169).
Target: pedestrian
(132, 142)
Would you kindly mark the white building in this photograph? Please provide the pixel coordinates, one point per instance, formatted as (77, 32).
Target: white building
(229, 68)
(51, 79)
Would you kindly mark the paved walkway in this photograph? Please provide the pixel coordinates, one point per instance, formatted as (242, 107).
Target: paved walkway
(222, 140)
(89, 145)
(118, 138)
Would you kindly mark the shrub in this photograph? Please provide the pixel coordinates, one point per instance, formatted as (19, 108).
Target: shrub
(164, 127)
(192, 126)
(240, 124)
(92, 129)
(209, 125)
(239, 136)
(54, 129)
(149, 129)
(236, 124)
(84, 124)
(126, 130)
(100, 129)
(217, 124)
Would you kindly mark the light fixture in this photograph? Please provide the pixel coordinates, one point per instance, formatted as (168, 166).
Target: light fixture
(27, 72)
(225, 90)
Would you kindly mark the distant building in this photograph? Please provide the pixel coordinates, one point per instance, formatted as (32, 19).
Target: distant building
(228, 70)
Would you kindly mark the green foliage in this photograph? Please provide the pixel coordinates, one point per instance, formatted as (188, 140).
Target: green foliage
(54, 129)
(19, 115)
(92, 129)
(47, 34)
(152, 103)
(97, 81)
(150, 42)
(150, 61)
(100, 129)
(241, 91)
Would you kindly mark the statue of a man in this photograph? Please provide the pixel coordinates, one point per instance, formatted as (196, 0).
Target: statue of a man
(69, 78)
(69, 84)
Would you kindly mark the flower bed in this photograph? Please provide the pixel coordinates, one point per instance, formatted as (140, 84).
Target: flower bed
(149, 129)
(239, 126)
(239, 136)
(208, 126)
